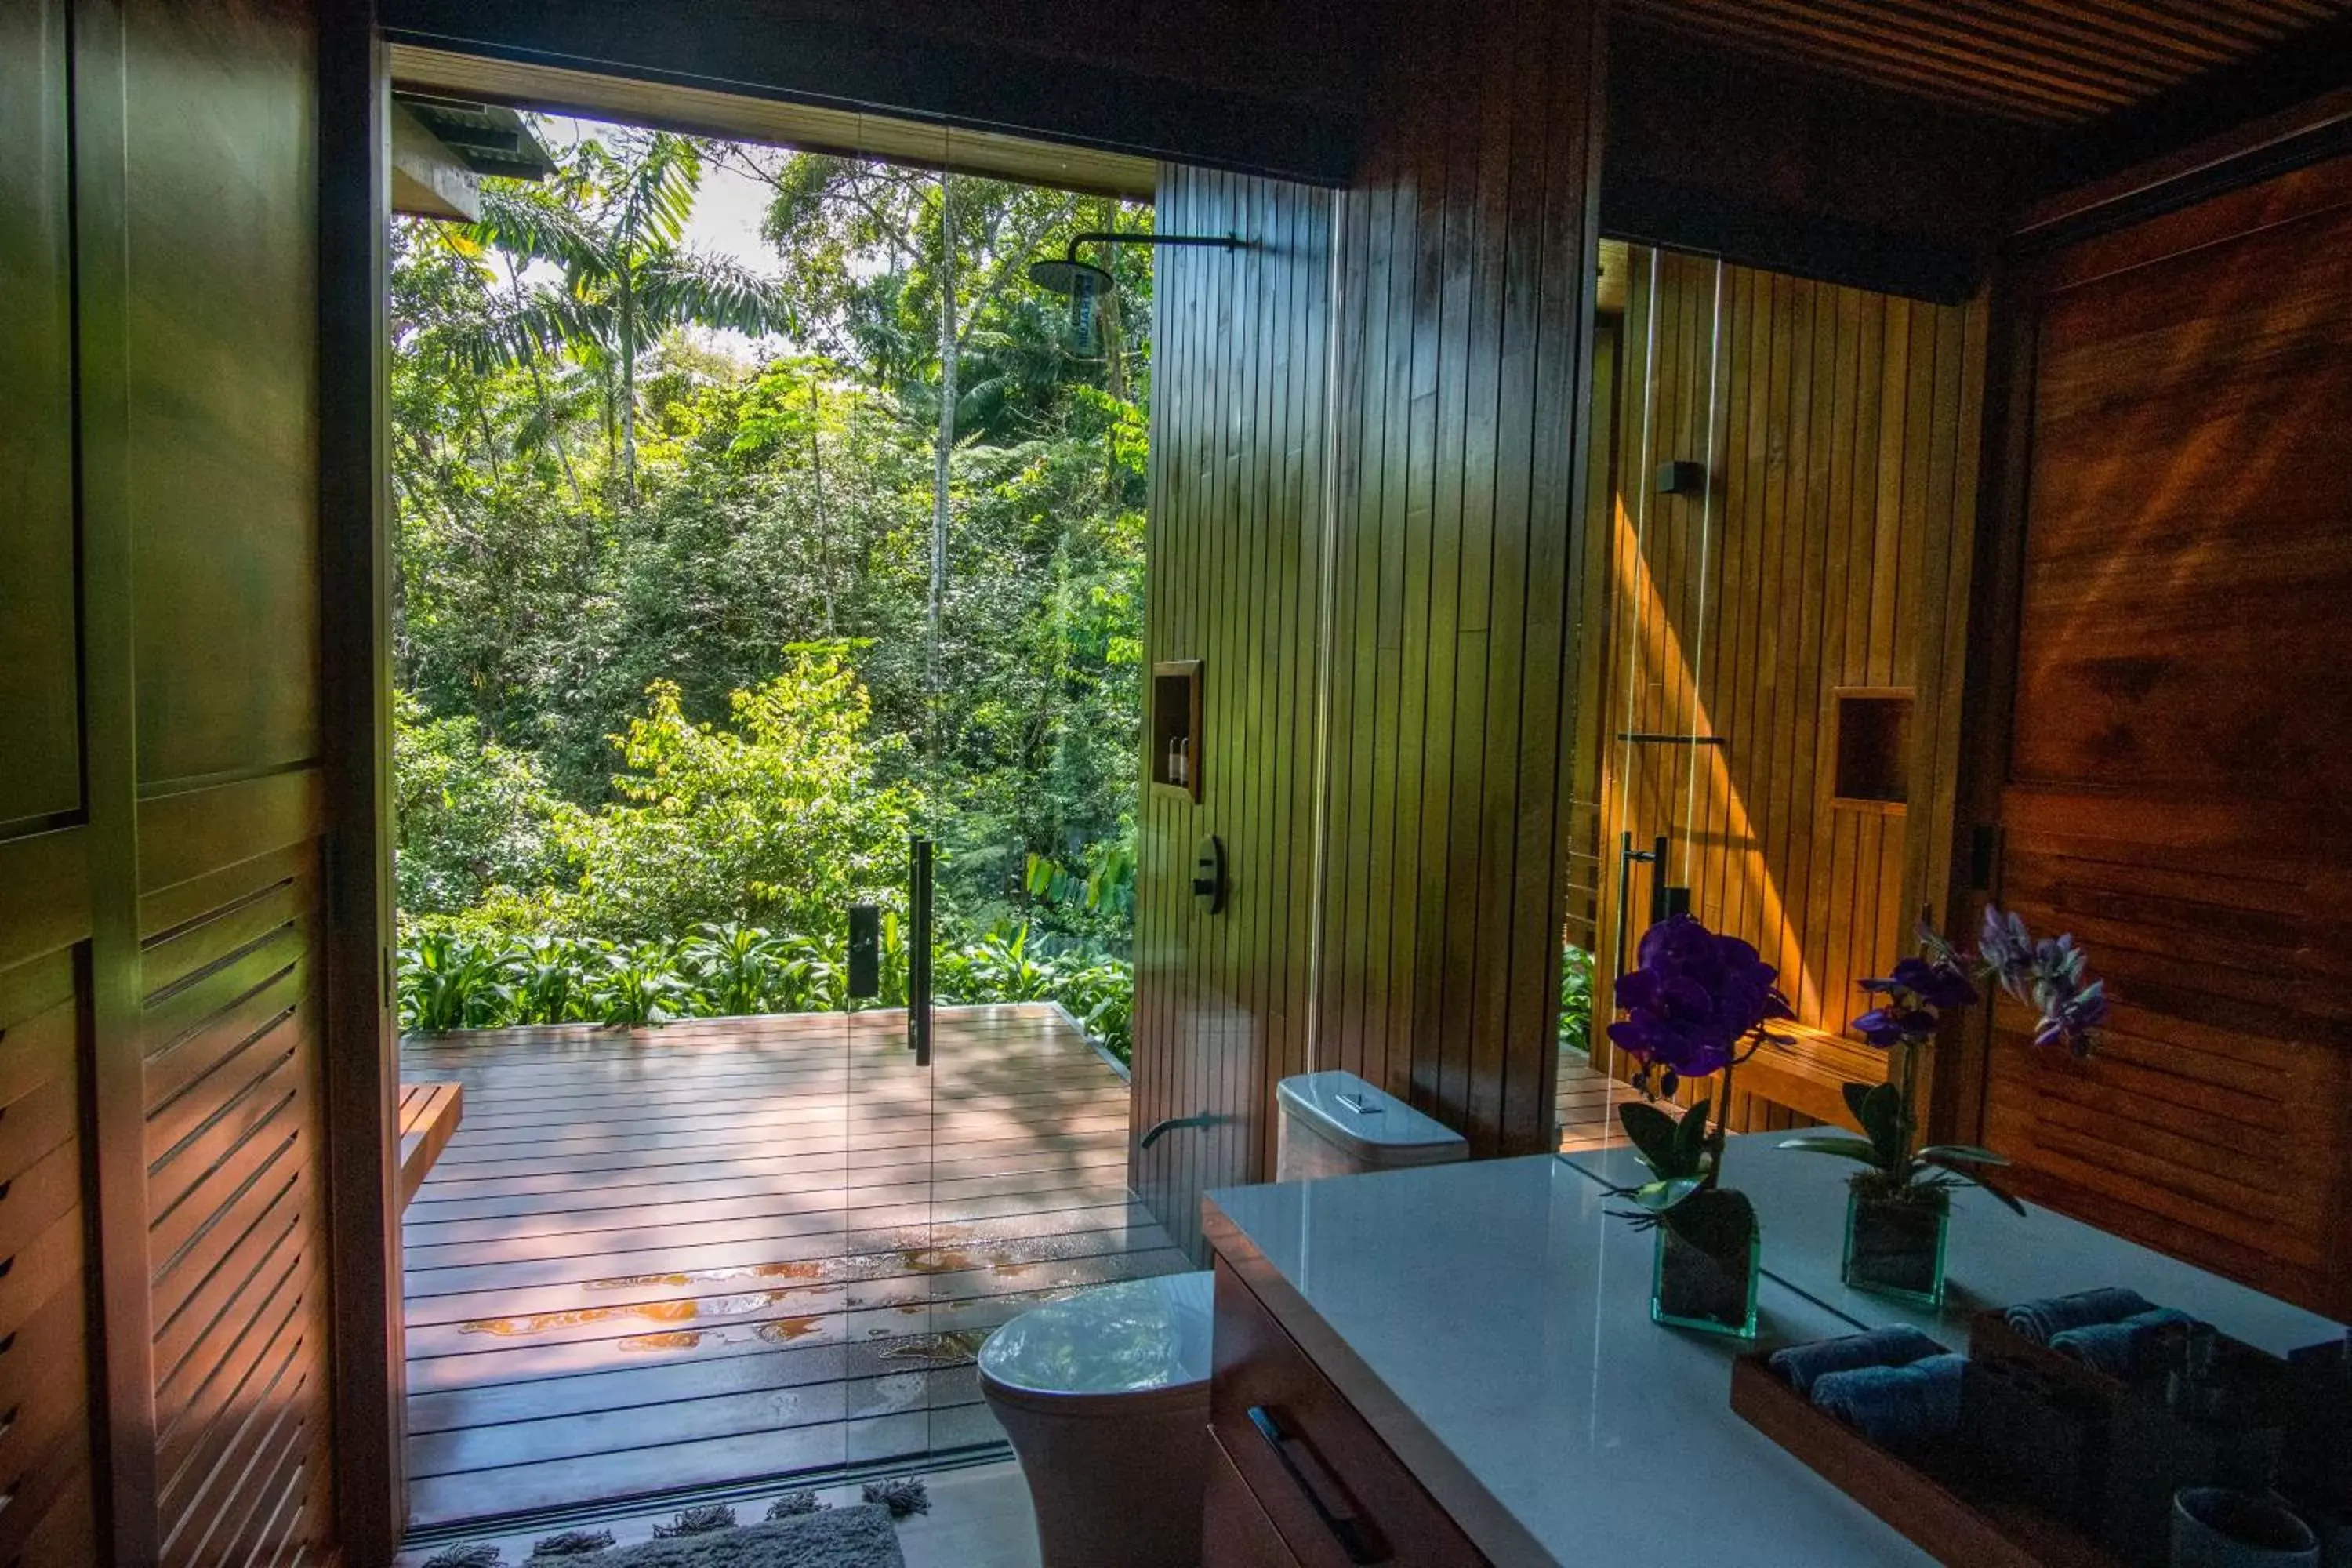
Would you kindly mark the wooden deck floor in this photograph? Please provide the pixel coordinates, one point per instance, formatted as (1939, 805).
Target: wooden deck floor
(730, 1249)
(1588, 1104)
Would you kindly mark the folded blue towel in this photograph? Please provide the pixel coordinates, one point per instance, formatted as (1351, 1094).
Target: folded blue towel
(1896, 1407)
(2037, 1321)
(1898, 1346)
(2118, 1349)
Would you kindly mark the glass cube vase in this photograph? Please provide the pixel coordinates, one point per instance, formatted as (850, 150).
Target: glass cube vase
(1691, 1288)
(1896, 1248)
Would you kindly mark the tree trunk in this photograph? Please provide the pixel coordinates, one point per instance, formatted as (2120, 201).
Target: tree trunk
(1114, 331)
(628, 402)
(946, 441)
(816, 468)
(538, 390)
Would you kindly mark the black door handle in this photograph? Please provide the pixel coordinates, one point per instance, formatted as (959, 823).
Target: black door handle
(1345, 1528)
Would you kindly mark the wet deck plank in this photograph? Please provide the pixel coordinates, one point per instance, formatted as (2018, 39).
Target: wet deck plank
(1586, 1104)
(728, 1249)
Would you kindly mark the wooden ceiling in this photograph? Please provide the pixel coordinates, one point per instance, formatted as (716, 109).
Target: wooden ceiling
(2043, 62)
(743, 116)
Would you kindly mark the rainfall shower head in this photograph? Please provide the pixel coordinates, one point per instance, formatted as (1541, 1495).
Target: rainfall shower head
(1078, 279)
(1083, 283)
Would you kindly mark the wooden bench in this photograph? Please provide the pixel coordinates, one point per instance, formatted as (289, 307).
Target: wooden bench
(1809, 1075)
(429, 1113)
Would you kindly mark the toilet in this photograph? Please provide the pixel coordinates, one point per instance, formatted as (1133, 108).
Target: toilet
(1105, 1395)
(1105, 1399)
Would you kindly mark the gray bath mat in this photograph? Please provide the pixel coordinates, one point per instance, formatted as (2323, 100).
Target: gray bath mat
(859, 1537)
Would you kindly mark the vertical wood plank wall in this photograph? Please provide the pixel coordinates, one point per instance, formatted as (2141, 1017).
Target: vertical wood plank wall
(1469, 263)
(1236, 521)
(159, 816)
(1829, 549)
(1461, 321)
(2176, 784)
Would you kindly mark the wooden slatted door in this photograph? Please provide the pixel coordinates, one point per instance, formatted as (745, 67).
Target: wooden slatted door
(45, 906)
(2175, 783)
(162, 811)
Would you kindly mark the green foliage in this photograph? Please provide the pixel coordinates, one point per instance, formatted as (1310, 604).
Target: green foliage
(447, 983)
(636, 985)
(670, 698)
(1891, 1167)
(780, 819)
(738, 971)
(470, 813)
(596, 504)
(544, 981)
(1575, 998)
(457, 980)
(1103, 888)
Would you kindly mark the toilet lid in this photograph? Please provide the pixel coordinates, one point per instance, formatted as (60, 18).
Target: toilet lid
(1116, 1338)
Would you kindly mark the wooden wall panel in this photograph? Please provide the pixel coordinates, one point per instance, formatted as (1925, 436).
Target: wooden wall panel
(1236, 521)
(39, 701)
(223, 384)
(1828, 550)
(1437, 664)
(2180, 764)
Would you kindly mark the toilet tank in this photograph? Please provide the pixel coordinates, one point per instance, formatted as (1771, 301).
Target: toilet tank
(1336, 1124)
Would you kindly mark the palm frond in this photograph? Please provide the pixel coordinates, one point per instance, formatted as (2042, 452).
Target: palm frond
(548, 323)
(538, 229)
(681, 289)
(657, 197)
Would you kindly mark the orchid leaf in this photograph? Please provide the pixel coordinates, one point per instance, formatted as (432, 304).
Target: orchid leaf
(1690, 1140)
(1882, 1118)
(1961, 1153)
(1718, 1221)
(1971, 1176)
(1855, 1093)
(1661, 1196)
(1654, 1137)
(1845, 1147)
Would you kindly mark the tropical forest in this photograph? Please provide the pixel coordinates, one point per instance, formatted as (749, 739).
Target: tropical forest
(724, 572)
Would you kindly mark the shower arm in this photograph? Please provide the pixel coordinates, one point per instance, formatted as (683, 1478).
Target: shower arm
(1114, 237)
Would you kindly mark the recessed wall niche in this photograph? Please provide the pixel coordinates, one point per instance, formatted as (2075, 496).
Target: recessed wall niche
(1174, 737)
(1873, 753)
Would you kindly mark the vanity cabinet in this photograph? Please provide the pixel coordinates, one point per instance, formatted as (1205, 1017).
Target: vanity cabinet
(1297, 1475)
(1235, 1532)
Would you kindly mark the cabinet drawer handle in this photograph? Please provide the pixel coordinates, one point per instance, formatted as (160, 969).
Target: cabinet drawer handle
(1344, 1527)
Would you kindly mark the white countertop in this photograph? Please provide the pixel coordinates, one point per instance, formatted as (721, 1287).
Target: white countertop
(1993, 1258)
(1505, 1315)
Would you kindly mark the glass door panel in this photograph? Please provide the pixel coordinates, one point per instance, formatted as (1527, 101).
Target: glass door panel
(1657, 549)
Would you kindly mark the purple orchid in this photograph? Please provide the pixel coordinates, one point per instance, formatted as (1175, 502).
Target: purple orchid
(2051, 975)
(1917, 995)
(1692, 1000)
